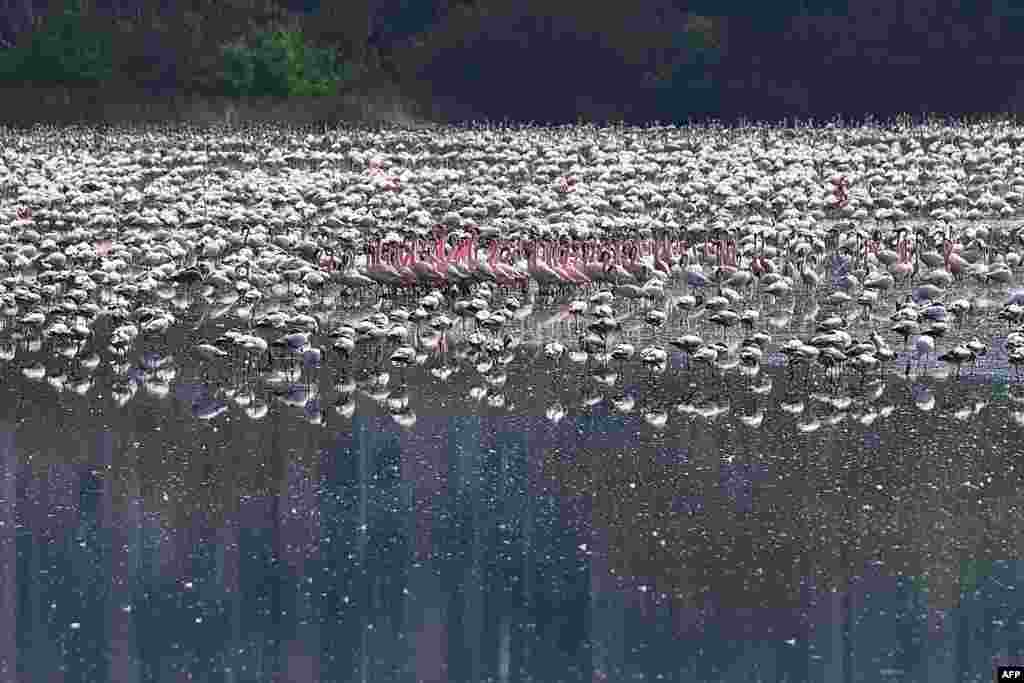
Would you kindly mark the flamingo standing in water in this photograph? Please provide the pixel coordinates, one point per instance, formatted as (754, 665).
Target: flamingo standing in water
(903, 267)
(540, 271)
(955, 263)
(512, 271)
(378, 270)
(570, 273)
(428, 270)
(957, 356)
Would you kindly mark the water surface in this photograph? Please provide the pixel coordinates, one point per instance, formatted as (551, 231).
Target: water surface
(869, 536)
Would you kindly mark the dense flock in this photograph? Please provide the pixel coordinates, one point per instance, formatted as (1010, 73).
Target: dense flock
(369, 262)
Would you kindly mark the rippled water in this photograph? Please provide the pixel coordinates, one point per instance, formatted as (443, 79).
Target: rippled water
(864, 533)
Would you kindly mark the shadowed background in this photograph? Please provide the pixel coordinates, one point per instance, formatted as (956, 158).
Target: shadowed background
(554, 62)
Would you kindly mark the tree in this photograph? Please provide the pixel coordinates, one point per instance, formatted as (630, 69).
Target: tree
(65, 49)
(281, 64)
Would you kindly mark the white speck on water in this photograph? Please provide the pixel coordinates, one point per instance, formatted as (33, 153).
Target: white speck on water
(75, 625)
(188, 584)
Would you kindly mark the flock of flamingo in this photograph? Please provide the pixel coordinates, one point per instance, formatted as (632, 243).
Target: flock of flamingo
(706, 253)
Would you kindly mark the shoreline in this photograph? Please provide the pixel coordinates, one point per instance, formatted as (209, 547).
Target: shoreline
(106, 105)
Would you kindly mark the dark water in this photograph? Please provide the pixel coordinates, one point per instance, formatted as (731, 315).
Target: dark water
(871, 537)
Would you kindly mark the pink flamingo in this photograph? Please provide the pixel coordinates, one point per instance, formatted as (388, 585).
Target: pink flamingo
(426, 271)
(954, 262)
(539, 270)
(618, 272)
(378, 270)
(726, 252)
(903, 267)
(458, 269)
(482, 270)
(499, 271)
(570, 270)
(840, 192)
(396, 260)
(663, 257)
(592, 265)
(634, 265)
(510, 270)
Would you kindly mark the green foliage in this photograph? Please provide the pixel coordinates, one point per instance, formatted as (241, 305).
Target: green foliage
(237, 70)
(281, 64)
(63, 50)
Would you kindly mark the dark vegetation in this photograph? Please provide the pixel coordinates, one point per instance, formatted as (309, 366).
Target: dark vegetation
(529, 60)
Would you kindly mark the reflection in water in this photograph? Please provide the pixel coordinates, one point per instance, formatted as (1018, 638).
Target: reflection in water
(506, 546)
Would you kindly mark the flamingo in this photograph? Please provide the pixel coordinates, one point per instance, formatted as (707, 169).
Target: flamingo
(540, 271)
(706, 355)
(653, 357)
(924, 347)
(957, 356)
(402, 357)
(902, 268)
(955, 264)
(1016, 359)
(554, 350)
(977, 348)
(577, 308)
(725, 318)
(378, 270)
(622, 352)
(655, 318)
(688, 344)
